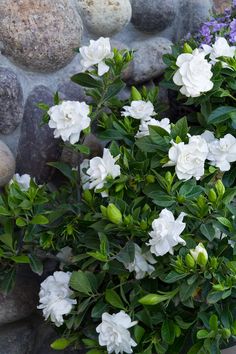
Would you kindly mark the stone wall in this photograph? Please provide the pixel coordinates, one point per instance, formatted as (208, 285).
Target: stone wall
(37, 41)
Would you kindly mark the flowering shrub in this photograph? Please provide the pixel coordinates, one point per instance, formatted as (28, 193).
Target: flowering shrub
(146, 233)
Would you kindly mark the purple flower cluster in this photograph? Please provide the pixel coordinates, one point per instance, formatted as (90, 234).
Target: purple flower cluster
(219, 26)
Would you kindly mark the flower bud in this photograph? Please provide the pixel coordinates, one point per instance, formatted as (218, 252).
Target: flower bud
(220, 188)
(103, 211)
(177, 331)
(187, 48)
(150, 179)
(212, 195)
(201, 202)
(128, 220)
(200, 255)
(119, 187)
(135, 95)
(87, 196)
(226, 333)
(118, 58)
(114, 214)
(189, 260)
(168, 177)
(143, 225)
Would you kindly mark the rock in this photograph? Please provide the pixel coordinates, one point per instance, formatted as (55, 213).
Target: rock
(37, 145)
(153, 15)
(7, 164)
(40, 35)
(148, 63)
(105, 17)
(68, 90)
(16, 338)
(221, 5)
(23, 299)
(11, 101)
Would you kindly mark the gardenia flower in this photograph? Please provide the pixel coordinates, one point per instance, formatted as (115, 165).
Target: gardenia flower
(139, 110)
(221, 48)
(54, 297)
(102, 167)
(114, 334)
(199, 249)
(221, 151)
(96, 53)
(166, 233)
(69, 119)
(194, 74)
(143, 128)
(141, 265)
(189, 159)
(23, 181)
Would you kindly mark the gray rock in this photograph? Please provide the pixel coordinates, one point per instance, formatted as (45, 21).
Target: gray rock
(37, 145)
(148, 63)
(7, 164)
(16, 338)
(11, 101)
(68, 90)
(105, 17)
(23, 299)
(153, 15)
(40, 35)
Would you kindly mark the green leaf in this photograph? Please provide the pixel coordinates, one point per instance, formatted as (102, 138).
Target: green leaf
(114, 89)
(21, 259)
(86, 80)
(114, 299)
(180, 129)
(8, 281)
(60, 344)
(126, 255)
(99, 309)
(159, 198)
(82, 148)
(221, 114)
(226, 222)
(182, 324)
(138, 333)
(146, 144)
(186, 291)
(36, 264)
(197, 349)
(39, 220)
(202, 334)
(208, 231)
(7, 240)
(65, 169)
(173, 277)
(168, 331)
(20, 222)
(79, 281)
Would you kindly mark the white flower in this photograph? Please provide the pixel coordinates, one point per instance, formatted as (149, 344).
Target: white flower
(189, 159)
(69, 119)
(141, 265)
(64, 256)
(199, 249)
(54, 297)
(23, 181)
(166, 233)
(221, 151)
(143, 128)
(96, 53)
(194, 74)
(102, 167)
(139, 110)
(114, 334)
(221, 48)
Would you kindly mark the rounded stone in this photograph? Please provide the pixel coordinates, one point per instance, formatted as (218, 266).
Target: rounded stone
(40, 35)
(153, 15)
(11, 101)
(105, 17)
(7, 164)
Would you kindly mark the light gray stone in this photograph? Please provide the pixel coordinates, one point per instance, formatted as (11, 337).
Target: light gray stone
(105, 17)
(153, 15)
(148, 63)
(11, 101)
(7, 164)
(16, 338)
(40, 35)
(69, 90)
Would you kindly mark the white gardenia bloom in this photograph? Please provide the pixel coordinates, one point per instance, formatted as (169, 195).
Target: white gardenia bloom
(199, 249)
(143, 128)
(189, 159)
(102, 167)
(114, 334)
(221, 151)
(139, 110)
(96, 53)
(69, 119)
(220, 48)
(166, 233)
(194, 74)
(55, 297)
(141, 264)
(23, 181)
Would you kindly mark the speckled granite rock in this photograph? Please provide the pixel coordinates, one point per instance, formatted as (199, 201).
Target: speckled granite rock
(7, 164)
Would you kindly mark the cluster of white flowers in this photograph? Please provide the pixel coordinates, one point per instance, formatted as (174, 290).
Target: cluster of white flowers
(114, 334)
(69, 119)
(55, 297)
(23, 181)
(98, 169)
(220, 48)
(95, 54)
(141, 264)
(166, 233)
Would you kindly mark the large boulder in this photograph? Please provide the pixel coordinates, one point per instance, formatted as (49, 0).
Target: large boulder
(7, 164)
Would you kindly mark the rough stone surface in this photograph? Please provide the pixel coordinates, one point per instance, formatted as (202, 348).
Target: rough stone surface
(37, 145)
(40, 35)
(16, 338)
(22, 301)
(153, 15)
(68, 90)
(221, 5)
(105, 17)
(148, 62)
(7, 164)
(11, 101)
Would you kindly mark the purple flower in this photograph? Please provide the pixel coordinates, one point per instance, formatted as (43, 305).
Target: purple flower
(234, 3)
(232, 36)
